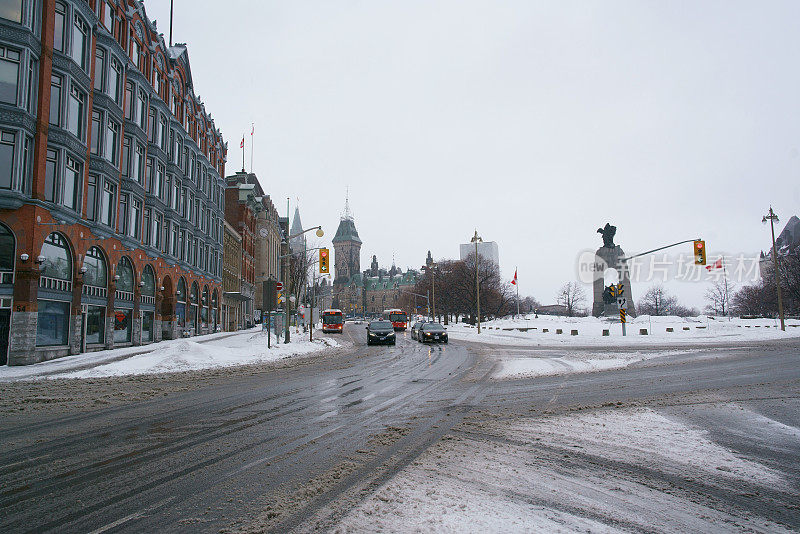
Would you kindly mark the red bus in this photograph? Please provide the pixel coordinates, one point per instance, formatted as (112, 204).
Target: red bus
(399, 318)
(332, 321)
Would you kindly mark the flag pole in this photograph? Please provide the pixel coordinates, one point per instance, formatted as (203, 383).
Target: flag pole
(252, 132)
(517, 284)
(243, 154)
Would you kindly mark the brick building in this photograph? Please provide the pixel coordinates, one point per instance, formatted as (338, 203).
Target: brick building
(111, 196)
(232, 299)
(243, 204)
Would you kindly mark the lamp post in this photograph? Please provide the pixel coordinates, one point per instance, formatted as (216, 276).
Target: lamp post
(476, 239)
(432, 269)
(319, 233)
(773, 218)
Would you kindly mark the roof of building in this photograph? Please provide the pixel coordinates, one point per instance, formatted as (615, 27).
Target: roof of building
(346, 231)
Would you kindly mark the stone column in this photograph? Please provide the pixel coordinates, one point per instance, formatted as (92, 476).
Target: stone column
(76, 318)
(112, 291)
(157, 334)
(136, 324)
(22, 338)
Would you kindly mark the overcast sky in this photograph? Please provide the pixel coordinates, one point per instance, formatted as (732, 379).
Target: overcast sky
(534, 122)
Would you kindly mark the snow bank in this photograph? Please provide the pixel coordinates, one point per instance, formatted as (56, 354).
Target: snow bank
(217, 350)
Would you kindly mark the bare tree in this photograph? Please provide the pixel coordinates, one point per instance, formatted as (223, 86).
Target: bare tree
(719, 296)
(656, 301)
(571, 295)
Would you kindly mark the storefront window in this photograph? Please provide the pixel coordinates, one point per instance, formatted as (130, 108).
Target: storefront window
(95, 325)
(122, 325)
(52, 327)
(147, 326)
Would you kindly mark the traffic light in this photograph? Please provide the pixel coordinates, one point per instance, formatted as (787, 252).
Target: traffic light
(269, 295)
(699, 252)
(323, 261)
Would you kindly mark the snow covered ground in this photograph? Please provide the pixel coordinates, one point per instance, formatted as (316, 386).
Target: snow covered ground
(606, 471)
(567, 353)
(222, 349)
(685, 331)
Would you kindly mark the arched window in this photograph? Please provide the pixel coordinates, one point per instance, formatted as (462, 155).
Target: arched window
(149, 279)
(7, 252)
(53, 314)
(181, 290)
(96, 271)
(180, 307)
(194, 294)
(204, 306)
(125, 273)
(214, 306)
(57, 258)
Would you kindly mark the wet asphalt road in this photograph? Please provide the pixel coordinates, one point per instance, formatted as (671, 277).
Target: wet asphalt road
(267, 451)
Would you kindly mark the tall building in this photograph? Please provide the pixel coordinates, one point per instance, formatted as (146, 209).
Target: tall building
(486, 250)
(111, 196)
(347, 282)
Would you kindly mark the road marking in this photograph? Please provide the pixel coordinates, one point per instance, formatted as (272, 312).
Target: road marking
(135, 515)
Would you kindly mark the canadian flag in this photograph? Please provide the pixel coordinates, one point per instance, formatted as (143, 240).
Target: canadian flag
(716, 265)
(241, 145)
(514, 281)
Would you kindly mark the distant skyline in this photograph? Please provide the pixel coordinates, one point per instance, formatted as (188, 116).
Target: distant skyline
(532, 122)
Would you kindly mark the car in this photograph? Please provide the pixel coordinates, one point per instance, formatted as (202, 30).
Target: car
(415, 329)
(432, 333)
(380, 332)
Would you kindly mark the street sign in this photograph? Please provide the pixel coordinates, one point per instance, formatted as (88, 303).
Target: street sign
(278, 286)
(622, 302)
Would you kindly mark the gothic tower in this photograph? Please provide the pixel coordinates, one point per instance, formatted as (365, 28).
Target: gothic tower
(347, 250)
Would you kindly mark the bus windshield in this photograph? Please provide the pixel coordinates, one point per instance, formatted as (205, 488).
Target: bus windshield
(332, 318)
(397, 317)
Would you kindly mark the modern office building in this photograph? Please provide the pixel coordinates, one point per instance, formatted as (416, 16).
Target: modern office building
(111, 196)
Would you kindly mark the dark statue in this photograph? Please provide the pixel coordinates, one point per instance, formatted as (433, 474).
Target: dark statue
(608, 233)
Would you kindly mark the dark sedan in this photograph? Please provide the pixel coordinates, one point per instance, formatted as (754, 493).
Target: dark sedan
(432, 333)
(380, 332)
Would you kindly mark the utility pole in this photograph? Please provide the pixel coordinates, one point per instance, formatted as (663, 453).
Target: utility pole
(773, 218)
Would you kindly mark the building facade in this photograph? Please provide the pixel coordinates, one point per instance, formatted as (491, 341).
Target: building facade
(111, 196)
(268, 248)
(232, 300)
(243, 203)
(369, 292)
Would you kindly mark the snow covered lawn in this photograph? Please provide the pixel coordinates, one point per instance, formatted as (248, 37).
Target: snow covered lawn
(222, 349)
(606, 471)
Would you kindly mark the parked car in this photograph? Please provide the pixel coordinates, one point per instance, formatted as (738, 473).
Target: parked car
(432, 333)
(415, 329)
(380, 332)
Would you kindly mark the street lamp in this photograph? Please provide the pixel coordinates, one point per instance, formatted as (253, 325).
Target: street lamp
(476, 239)
(432, 269)
(773, 218)
(319, 233)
